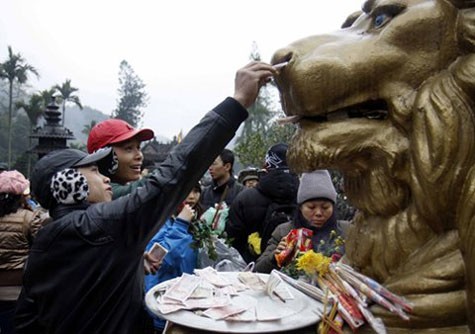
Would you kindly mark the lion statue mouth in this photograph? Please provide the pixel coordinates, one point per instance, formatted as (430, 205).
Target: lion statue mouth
(373, 110)
(388, 101)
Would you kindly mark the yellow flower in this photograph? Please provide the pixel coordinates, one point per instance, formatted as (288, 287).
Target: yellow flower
(339, 241)
(313, 263)
(254, 240)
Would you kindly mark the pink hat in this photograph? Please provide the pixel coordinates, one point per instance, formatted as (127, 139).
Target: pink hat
(113, 131)
(13, 182)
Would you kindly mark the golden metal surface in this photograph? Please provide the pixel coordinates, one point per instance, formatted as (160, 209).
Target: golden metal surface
(411, 173)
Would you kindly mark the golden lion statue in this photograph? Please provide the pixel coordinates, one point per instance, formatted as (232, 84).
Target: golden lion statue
(389, 101)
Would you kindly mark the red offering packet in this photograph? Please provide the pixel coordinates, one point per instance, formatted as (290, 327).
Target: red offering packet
(298, 240)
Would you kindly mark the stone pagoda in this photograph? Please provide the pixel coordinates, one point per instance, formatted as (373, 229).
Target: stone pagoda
(52, 135)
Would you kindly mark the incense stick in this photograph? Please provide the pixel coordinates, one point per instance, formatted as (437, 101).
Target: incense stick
(280, 65)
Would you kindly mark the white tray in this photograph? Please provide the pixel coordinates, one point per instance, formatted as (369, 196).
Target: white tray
(307, 312)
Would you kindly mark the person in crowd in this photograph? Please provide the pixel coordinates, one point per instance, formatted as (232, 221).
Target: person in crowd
(85, 270)
(258, 210)
(177, 238)
(125, 142)
(316, 199)
(224, 187)
(248, 177)
(18, 227)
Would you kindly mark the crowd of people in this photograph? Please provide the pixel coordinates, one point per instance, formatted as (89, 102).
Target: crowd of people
(81, 258)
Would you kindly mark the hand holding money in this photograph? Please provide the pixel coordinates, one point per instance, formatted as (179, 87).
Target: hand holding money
(153, 258)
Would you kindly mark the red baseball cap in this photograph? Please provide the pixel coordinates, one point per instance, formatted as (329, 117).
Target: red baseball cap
(113, 131)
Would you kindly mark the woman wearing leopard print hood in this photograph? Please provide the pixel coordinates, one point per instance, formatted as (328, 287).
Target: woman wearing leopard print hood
(85, 269)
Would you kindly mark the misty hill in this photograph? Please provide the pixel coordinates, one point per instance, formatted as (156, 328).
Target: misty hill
(76, 119)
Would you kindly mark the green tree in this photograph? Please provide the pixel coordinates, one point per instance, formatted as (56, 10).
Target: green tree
(261, 112)
(66, 93)
(259, 131)
(78, 146)
(34, 110)
(14, 69)
(252, 148)
(88, 127)
(132, 96)
(47, 95)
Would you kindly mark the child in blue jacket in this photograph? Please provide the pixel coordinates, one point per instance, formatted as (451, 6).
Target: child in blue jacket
(177, 239)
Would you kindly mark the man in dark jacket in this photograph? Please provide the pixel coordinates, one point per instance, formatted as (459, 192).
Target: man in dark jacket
(85, 270)
(224, 187)
(277, 187)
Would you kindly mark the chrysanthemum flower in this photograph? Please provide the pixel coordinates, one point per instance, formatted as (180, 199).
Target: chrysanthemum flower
(313, 263)
(254, 241)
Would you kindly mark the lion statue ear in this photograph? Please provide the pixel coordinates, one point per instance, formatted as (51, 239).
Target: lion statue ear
(350, 19)
(463, 3)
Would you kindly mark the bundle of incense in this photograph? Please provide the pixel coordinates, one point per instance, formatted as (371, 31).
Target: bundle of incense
(328, 321)
(346, 306)
(347, 287)
(289, 119)
(365, 289)
(350, 320)
(280, 65)
(377, 287)
(375, 323)
(308, 289)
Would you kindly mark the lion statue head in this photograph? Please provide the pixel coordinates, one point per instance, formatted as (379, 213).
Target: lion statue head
(389, 101)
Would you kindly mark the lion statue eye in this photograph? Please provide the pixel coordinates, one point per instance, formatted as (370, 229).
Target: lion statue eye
(380, 20)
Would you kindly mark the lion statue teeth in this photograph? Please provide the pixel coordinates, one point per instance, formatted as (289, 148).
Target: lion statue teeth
(389, 100)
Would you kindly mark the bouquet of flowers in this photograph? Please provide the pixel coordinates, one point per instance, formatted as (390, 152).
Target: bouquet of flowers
(300, 260)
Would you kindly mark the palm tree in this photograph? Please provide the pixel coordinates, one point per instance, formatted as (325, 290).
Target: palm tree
(47, 96)
(34, 110)
(88, 127)
(14, 69)
(66, 93)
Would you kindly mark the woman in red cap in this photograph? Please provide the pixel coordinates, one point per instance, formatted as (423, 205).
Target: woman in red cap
(125, 141)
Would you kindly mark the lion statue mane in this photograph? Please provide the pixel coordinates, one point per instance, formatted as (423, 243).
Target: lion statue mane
(389, 101)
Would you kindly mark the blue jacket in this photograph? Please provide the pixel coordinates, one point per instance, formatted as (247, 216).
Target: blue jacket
(181, 257)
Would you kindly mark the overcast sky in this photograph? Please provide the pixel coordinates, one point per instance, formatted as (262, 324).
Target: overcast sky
(185, 51)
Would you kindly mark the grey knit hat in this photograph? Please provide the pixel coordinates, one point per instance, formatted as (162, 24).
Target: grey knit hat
(317, 184)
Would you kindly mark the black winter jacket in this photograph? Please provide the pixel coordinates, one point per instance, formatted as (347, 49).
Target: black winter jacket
(212, 194)
(85, 269)
(249, 208)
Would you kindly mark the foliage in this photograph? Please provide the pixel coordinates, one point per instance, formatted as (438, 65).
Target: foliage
(252, 148)
(88, 127)
(204, 237)
(14, 69)
(66, 92)
(132, 96)
(344, 209)
(20, 141)
(261, 111)
(78, 146)
(34, 108)
(48, 95)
